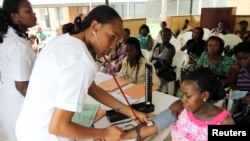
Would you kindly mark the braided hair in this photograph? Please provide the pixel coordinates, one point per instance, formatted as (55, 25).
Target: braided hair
(102, 14)
(9, 7)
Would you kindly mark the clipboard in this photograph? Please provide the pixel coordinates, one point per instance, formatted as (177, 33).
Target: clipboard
(87, 115)
(137, 91)
(110, 85)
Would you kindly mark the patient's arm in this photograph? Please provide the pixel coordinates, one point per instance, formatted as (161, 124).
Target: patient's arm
(162, 121)
(145, 131)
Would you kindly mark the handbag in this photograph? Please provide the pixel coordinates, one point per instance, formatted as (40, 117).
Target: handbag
(166, 72)
(241, 114)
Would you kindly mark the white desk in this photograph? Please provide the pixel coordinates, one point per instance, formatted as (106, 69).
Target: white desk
(101, 77)
(160, 100)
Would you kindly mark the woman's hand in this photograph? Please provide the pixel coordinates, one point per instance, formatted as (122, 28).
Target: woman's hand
(140, 117)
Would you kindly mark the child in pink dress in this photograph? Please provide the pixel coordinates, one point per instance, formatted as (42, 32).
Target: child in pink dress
(193, 113)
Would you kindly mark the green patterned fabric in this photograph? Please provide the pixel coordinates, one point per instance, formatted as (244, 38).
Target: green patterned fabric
(220, 68)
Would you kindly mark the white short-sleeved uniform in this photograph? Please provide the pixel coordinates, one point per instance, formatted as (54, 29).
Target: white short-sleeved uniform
(16, 62)
(62, 74)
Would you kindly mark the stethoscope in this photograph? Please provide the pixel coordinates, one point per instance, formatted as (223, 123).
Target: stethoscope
(112, 73)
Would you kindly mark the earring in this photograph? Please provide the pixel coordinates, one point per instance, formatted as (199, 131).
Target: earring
(204, 100)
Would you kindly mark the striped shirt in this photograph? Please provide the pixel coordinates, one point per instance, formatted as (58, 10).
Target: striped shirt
(243, 80)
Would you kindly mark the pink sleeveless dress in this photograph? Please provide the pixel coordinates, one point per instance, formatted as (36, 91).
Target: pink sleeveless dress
(189, 128)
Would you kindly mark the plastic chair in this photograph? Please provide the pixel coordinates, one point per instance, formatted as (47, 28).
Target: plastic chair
(176, 43)
(219, 35)
(180, 60)
(206, 33)
(183, 38)
(230, 101)
(147, 54)
(231, 40)
(230, 104)
(173, 37)
(187, 36)
(220, 103)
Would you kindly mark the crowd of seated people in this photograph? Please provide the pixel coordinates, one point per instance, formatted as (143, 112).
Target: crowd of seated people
(128, 61)
(198, 48)
(230, 71)
(199, 88)
(206, 53)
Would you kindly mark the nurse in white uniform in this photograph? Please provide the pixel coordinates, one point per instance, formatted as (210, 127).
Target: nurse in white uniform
(16, 60)
(62, 77)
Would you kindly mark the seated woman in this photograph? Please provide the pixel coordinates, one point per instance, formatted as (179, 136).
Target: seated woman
(242, 54)
(163, 57)
(193, 111)
(213, 59)
(133, 65)
(40, 34)
(145, 39)
(196, 45)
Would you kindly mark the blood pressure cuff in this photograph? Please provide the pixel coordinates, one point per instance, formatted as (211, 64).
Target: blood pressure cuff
(164, 119)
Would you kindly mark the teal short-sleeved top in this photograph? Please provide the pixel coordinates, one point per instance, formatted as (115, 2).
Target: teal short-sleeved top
(144, 41)
(42, 36)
